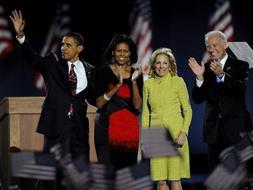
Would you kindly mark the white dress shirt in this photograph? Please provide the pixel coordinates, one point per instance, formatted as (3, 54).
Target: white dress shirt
(21, 40)
(80, 75)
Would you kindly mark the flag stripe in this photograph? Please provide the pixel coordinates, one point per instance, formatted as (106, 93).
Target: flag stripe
(3, 22)
(134, 177)
(219, 12)
(223, 23)
(24, 164)
(35, 176)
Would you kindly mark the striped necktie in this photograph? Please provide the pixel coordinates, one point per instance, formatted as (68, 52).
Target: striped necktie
(72, 80)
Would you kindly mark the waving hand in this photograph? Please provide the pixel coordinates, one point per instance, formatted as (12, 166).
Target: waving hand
(18, 22)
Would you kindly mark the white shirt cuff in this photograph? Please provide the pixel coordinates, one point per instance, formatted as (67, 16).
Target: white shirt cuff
(199, 82)
(21, 40)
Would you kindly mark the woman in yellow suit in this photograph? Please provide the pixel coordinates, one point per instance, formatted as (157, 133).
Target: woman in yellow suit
(166, 104)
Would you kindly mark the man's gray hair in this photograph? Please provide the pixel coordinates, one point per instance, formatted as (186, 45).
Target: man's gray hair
(216, 32)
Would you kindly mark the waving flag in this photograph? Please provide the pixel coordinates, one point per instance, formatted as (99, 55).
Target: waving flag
(33, 165)
(221, 20)
(60, 26)
(6, 43)
(157, 142)
(141, 32)
(134, 177)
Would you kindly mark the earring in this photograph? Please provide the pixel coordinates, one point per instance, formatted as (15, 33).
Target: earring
(129, 62)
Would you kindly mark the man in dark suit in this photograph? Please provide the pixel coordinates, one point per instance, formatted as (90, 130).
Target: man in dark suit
(221, 83)
(63, 118)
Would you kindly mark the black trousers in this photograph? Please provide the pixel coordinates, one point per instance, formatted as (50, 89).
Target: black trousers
(67, 139)
(214, 150)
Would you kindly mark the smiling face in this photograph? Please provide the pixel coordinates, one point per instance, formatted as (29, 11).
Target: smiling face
(216, 47)
(121, 53)
(70, 50)
(162, 65)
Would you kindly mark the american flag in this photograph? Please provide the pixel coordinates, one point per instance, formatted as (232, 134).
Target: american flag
(135, 177)
(33, 165)
(141, 32)
(102, 177)
(60, 26)
(6, 43)
(157, 142)
(221, 20)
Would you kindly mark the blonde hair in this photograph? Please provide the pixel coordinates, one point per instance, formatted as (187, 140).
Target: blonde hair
(172, 60)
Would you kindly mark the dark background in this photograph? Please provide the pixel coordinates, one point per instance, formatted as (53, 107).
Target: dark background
(177, 24)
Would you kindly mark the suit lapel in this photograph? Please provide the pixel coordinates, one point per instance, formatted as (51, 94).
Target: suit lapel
(87, 72)
(88, 75)
(228, 67)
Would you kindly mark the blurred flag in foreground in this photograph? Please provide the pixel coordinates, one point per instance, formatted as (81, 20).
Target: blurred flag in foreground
(33, 165)
(157, 142)
(134, 177)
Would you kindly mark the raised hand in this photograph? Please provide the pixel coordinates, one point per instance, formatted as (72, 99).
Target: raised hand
(135, 75)
(18, 22)
(197, 69)
(137, 72)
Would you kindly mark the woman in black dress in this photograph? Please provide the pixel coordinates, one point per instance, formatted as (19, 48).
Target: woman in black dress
(119, 97)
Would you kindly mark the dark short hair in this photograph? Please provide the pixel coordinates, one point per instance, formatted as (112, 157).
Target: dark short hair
(77, 37)
(117, 39)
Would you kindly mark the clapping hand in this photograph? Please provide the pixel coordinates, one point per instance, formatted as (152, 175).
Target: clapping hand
(120, 77)
(18, 22)
(137, 72)
(215, 66)
(197, 69)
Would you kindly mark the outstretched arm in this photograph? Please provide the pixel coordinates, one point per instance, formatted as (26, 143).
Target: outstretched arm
(33, 58)
(18, 22)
